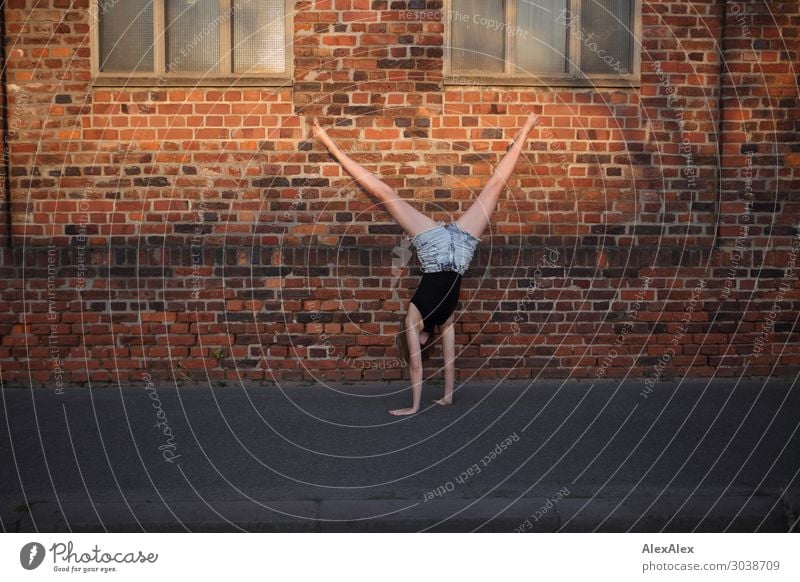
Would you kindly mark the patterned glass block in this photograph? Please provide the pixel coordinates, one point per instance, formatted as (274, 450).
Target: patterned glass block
(192, 35)
(478, 36)
(126, 35)
(541, 36)
(259, 36)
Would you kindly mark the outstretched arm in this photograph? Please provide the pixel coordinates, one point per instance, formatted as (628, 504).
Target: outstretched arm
(449, 355)
(415, 363)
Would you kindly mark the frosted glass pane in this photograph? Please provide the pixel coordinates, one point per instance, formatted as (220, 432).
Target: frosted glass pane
(607, 29)
(192, 35)
(478, 36)
(541, 36)
(259, 42)
(126, 35)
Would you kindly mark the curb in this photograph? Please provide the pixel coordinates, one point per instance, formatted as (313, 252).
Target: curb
(759, 513)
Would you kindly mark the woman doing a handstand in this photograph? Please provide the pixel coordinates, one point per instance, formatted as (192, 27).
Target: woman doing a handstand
(445, 252)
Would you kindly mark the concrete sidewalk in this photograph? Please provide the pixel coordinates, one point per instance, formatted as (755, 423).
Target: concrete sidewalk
(587, 456)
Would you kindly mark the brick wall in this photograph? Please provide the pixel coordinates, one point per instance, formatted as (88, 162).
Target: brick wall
(188, 233)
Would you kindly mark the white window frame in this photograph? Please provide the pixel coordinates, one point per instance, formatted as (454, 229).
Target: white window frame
(163, 78)
(572, 78)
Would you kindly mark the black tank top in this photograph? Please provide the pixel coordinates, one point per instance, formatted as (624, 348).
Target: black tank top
(436, 297)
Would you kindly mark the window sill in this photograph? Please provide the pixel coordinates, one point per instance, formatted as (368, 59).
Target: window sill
(582, 82)
(168, 81)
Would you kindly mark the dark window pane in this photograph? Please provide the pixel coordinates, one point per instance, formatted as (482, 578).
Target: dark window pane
(607, 30)
(126, 35)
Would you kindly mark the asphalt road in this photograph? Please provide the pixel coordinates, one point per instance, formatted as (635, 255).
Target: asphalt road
(693, 455)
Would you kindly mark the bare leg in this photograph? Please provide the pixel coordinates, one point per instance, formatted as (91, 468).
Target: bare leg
(476, 218)
(409, 218)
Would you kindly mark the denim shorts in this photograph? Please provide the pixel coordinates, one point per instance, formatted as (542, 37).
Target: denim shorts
(445, 247)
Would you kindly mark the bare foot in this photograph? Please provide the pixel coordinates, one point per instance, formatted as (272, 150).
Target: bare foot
(403, 411)
(529, 124)
(532, 121)
(321, 134)
(444, 401)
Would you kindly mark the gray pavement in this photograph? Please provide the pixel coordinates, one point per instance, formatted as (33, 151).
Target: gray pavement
(694, 455)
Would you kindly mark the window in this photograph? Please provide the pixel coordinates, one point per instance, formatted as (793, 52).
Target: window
(206, 42)
(518, 42)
